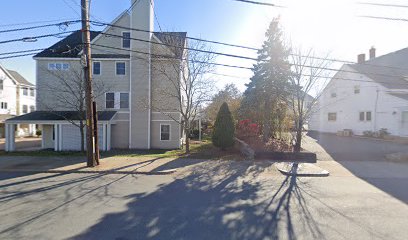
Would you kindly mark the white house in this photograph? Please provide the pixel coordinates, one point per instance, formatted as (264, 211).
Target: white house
(17, 97)
(133, 113)
(367, 96)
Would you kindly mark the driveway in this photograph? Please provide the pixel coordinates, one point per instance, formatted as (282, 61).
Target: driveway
(365, 158)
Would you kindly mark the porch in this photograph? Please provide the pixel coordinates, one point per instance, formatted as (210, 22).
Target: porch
(59, 129)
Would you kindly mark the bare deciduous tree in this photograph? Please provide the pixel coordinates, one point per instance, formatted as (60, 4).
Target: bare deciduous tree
(186, 86)
(67, 93)
(308, 78)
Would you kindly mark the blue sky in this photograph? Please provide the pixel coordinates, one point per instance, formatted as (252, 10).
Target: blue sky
(328, 26)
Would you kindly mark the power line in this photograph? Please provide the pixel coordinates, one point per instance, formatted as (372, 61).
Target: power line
(243, 47)
(259, 3)
(34, 37)
(155, 16)
(383, 4)
(24, 51)
(385, 18)
(37, 22)
(66, 23)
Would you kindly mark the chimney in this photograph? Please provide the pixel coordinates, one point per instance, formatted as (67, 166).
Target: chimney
(361, 58)
(372, 53)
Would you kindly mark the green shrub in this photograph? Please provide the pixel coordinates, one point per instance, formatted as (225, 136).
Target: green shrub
(224, 130)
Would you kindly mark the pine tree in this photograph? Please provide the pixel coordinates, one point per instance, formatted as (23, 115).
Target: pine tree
(223, 134)
(269, 85)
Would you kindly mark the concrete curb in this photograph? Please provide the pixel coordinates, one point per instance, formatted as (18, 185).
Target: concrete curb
(303, 170)
(88, 171)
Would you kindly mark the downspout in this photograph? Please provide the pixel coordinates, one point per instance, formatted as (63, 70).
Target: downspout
(375, 110)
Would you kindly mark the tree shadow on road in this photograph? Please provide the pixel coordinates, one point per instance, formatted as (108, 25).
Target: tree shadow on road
(222, 202)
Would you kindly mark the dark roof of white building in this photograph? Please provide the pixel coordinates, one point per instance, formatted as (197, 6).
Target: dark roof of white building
(19, 79)
(390, 70)
(60, 116)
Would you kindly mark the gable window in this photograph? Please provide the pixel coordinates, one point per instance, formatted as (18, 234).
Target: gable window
(96, 69)
(332, 117)
(25, 109)
(32, 92)
(58, 66)
(25, 91)
(1, 84)
(126, 39)
(356, 89)
(120, 68)
(333, 95)
(110, 100)
(164, 132)
(3, 105)
(32, 108)
(124, 100)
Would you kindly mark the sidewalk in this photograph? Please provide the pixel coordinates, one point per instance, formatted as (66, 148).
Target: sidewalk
(121, 165)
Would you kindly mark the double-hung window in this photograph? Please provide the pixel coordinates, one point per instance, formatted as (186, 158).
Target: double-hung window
(32, 92)
(365, 116)
(125, 39)
(1, 84)
(124, 100)
(332, 117)
(110, 100)
(164, 132)
(25, 109)
(32, 108)
(96, 68)
(25, 91)
(120, 68)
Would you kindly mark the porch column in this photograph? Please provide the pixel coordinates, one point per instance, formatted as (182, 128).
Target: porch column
(104, 136)
(10, 138)
(108, 137)
(56, 137)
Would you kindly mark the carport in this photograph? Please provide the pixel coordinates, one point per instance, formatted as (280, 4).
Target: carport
(59, 130)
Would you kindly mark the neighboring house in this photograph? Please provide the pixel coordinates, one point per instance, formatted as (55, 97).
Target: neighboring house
(17, 97)
(367, 96)
(135, 113)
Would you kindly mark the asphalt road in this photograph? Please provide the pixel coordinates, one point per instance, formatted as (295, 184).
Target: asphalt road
(210, 200)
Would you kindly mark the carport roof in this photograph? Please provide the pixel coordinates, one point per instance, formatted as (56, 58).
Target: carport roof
(38, 116)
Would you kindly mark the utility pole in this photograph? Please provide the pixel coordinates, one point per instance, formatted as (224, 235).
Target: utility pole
(91, 151)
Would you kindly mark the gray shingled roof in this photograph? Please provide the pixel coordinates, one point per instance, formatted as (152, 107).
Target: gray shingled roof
(388, 70)
(59, 116)
(19, 79)
(71, 46)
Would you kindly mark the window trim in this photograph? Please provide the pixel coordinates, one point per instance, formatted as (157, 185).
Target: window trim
(160, 132)
(93, 68)
(107, 101)
(328, 117)
(120, 100)
(116, 68)
(123, 39)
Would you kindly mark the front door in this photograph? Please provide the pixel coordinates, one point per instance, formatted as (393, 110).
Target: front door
(404, 125)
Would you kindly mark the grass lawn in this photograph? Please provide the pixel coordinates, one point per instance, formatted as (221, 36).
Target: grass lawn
(198, 150)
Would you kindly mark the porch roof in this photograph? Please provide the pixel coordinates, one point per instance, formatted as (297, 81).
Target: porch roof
(56, 116)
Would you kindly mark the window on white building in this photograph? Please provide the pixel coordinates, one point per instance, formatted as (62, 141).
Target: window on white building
(126, 39)
(3, 105)
(25, 109)
(164, 132)
(362, 116)
(1, 84)
(110, 100)
(25, 91)
(32, 108)
(32, 92)
(120, 68)
(368, 116)
(365, 116)
(332, 117)
(333, 95)
(124, 100)
(356, 89)
(96, 68)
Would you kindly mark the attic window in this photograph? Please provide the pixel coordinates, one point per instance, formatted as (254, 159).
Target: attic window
(58, 66)
(126, 39)
(333, 95)
(356, 89)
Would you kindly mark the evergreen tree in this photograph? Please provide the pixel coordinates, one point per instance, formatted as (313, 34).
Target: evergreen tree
(269, 85)
(224, 130)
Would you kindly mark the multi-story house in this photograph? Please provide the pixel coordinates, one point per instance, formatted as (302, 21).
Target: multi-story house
(128, 57)
(367, 96)
(17, 97)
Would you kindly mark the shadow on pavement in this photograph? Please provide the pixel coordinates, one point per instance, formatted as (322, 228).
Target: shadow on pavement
(365, 158)
(213, 205)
